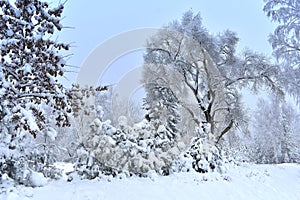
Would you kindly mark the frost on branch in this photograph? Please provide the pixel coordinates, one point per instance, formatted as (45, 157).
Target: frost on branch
(285, 41)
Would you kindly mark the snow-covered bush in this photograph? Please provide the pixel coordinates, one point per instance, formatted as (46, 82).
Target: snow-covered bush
(24, 162)
(142, 149)
(206, 156)
(136, 150)
(20, 170)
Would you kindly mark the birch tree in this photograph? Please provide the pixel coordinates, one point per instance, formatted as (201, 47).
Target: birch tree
(285, 40)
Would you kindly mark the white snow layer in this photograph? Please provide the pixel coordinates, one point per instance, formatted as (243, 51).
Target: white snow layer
(37, 179)
(246, 182)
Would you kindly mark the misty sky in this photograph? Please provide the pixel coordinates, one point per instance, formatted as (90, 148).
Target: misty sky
(96, 21)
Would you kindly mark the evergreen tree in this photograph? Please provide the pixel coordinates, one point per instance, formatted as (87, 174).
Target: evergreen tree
(162, 107)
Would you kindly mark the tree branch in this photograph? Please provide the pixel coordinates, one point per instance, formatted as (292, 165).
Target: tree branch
(225, 131)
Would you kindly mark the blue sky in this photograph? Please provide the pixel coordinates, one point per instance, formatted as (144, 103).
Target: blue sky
(96, 21)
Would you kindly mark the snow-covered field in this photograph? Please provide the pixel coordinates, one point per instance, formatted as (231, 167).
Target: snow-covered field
(267, 182)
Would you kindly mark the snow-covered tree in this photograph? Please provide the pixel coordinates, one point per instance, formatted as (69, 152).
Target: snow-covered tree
(208, 74)
(286, 37)
(82, 100)
(276, 139)
(162, 107)
(31, 62)
(104, 99)
(285, 40)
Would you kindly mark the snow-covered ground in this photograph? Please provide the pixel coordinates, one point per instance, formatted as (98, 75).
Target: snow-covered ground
(267, 182)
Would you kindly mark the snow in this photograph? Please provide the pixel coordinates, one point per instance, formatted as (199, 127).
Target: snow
(161, 129)
(66, 168)
(9, 33)
(122, 121)
(27, 68)
(247, 181)
(51, 133)
(37, 179)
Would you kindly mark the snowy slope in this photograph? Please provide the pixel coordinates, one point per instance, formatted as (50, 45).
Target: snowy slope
(267, 182)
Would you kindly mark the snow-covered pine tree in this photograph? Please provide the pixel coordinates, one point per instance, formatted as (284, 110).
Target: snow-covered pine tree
(162, 109)
(31, 62)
